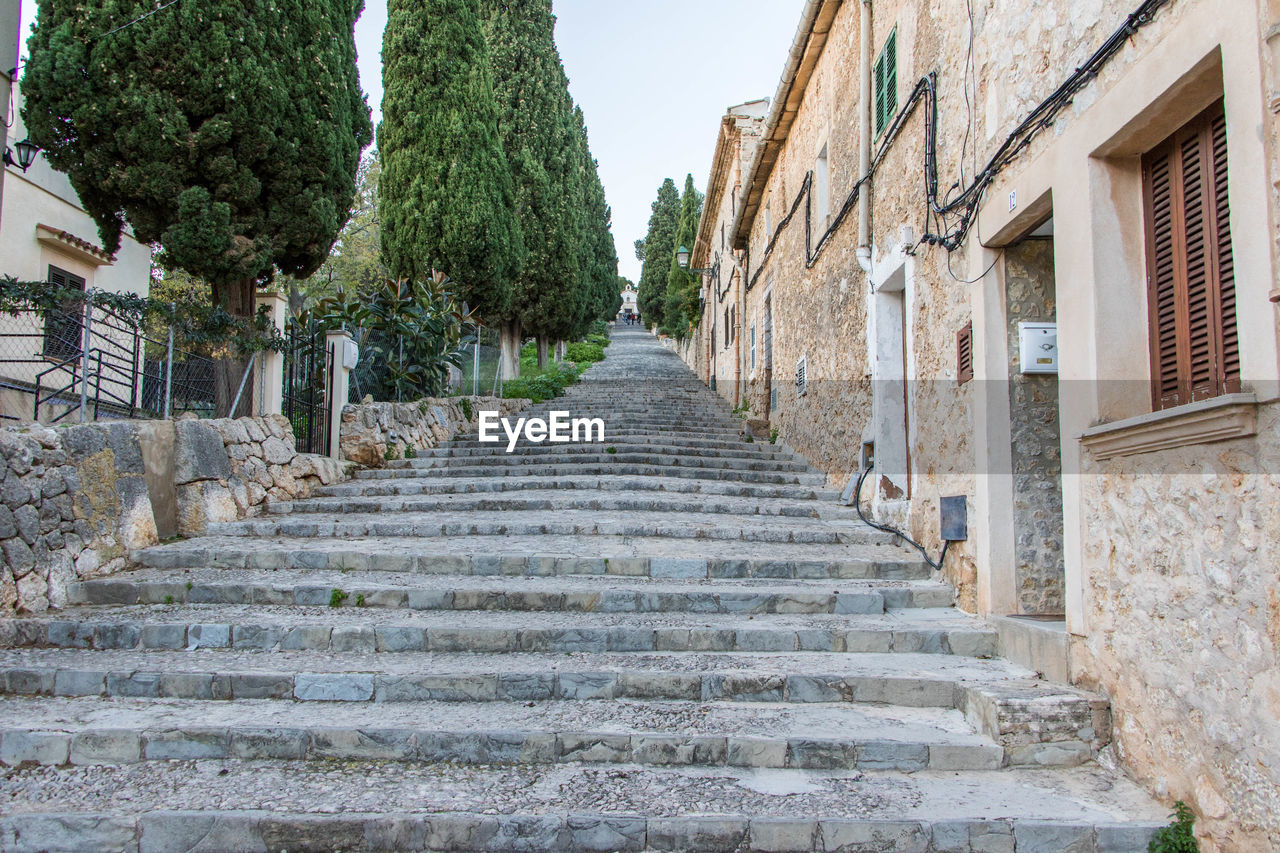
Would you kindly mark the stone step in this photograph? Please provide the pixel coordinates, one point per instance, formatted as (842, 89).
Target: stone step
(820, 736)
(616, 557)
(357, 628)
(1035, 722)
(567, 522)
(597, 455)
(759, 451)
(611, 468)
(560, 594)
(691, 446)
(562, 501)
(488, 485)
(391, 806)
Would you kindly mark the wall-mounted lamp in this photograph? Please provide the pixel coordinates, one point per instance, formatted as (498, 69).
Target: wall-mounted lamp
(27, 151)
(682, 258)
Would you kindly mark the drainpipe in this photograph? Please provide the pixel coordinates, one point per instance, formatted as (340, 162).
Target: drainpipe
(864, 143)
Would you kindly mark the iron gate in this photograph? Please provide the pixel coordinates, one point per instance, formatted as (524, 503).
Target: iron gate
(307, 363)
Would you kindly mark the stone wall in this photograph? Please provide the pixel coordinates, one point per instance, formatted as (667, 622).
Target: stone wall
(229, 469)
(374, 433)
(1182, 602)
(73, 502)
(1035, 451)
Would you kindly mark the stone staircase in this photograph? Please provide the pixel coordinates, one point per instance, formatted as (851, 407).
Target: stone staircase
(676, 640)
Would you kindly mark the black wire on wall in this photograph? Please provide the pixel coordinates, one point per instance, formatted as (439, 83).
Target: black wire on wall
(947, 222)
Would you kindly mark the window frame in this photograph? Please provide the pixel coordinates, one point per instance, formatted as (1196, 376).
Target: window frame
(884, 85)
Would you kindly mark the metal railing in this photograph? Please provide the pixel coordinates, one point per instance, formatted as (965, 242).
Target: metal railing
(91, 362)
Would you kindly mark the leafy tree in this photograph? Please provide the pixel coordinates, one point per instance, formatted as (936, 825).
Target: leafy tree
(680, 309)
(355, 260)
(659, 248)
(446, 195)
(536, 125)
(410, 333)
(229, 139)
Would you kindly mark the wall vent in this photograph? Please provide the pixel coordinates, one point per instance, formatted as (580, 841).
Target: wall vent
(964, 354)
(802, 378)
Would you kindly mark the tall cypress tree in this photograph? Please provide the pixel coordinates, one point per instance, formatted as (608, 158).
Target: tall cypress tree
(659, 248)
(536, 123)
(229, 139)
(447, 200)
(680, 310)
(600, 265)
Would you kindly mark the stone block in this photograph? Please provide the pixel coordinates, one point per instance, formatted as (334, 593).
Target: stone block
(867, 836)
(595, 748)
(333, 687)
(440, 688)
(353, 638)
(783, 835)
(269, 743)
(163, 637)
(671, 567)
(306, 637)
(106, 746)
(809, 754)
(208, 637)
(586, 685)
(1035, 836)
(67, 832)
(616, 833)
(710, 834)
(1124, 838)
(526, 687)
(363, 744)
(187, 744)
(256, 637)
(76, 682)
(26, 747)
(256, 685)
(200, 832)
(392, 638)
(198, 454)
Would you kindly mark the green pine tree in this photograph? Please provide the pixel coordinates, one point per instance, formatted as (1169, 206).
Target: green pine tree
(536, 124)
(229, 139)
(680, 309)
(446, 195)
(659, 248)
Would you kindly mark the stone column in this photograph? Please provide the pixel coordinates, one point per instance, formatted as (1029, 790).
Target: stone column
(342, 355)
(270, 397)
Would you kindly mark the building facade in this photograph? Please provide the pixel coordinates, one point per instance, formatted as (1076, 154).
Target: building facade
(10, 23)
(1009, 258)
(45, 235)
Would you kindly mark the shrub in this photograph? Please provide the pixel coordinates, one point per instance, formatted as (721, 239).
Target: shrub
(599, 327)
(602, 340)
(539, 386)
(584, 352)
(1179, 836)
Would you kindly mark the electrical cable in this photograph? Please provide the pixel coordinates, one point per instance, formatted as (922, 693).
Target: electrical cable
(885, 528)
(136, 20)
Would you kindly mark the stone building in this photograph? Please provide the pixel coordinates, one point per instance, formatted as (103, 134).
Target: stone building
(10, 23)
(715, 349)
(1000, 251)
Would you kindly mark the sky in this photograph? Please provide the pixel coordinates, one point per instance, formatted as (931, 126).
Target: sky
(653, 78)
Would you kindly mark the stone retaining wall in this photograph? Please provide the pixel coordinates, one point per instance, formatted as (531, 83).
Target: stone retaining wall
(229, 469)
(374, 433)
(73, 502)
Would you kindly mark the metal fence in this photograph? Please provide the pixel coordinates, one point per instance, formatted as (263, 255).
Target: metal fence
(479, 375)
(89, 363)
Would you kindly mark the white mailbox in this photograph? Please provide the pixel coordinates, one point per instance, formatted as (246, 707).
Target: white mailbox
(1038, 347)
(350, 354)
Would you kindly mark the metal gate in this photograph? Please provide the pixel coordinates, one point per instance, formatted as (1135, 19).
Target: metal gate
(307, 363)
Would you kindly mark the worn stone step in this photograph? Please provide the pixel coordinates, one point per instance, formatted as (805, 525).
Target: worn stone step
(365, 630)
(384, 806)
(597, 455)
(759, 451)
(611, 468)
(561, 501)
(54, 732)
(402, 485)
(690, 445)
(567, 594)
(1035, 722)
(562, 555)
(566, 522)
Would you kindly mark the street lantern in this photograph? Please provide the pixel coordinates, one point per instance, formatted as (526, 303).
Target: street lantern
(682, 257)
(27, 151)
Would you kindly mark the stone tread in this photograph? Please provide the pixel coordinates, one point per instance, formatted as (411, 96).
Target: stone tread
(299, 805)
(401, 552)
(577, 483)
(580, 593)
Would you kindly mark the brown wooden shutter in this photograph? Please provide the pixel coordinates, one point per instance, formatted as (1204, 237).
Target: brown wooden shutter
(1190, 279)
(964, 354)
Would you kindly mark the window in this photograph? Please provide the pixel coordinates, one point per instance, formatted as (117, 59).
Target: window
(753, 346)
(885, 83)
(768, 226)
(964, 354)
(727, 329)
(1191, 294)
(822, 190)
(733, 322)
(62, 329)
